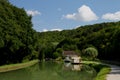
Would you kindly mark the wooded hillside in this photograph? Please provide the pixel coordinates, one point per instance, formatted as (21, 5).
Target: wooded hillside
(105, 37)
(17, 38)
(19, 42)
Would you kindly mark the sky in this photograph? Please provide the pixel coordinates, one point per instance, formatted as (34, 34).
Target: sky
(50, 15)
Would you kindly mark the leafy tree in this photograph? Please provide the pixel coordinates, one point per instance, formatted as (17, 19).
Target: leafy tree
(18, 40)
(91, 52)
(56, 55)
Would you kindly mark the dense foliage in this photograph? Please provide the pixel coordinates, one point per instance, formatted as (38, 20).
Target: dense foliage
(104, 37)
(19, 42)
(17, 38)
(90, 53)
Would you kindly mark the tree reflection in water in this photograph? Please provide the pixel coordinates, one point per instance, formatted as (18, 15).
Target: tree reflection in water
(74, 67)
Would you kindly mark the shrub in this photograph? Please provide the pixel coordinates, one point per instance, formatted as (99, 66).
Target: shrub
(90, 53)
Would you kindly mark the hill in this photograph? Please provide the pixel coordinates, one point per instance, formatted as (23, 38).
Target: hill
(104, 37)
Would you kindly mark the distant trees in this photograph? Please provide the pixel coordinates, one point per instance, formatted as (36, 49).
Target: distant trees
(19, 42)
(58, 53)
(104, 37)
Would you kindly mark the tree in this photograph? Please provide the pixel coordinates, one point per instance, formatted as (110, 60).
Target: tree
(91, 53)
(17, 38)
(58, 53)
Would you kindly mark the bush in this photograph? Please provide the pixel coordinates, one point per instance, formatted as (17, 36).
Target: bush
(90, 53)
(56, 55)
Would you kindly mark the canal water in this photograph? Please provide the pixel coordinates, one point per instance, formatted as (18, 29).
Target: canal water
(51, 71)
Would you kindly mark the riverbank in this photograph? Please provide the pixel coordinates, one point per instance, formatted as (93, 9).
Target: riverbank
(114, 74)
(11, 67)
(101, 68)
(102, 74)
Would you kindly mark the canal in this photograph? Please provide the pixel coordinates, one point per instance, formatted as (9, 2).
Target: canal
(51, 71)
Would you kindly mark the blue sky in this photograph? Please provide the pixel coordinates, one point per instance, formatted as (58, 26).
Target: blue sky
(49, 15)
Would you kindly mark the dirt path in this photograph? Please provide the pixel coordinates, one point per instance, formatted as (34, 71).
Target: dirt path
(114, 74)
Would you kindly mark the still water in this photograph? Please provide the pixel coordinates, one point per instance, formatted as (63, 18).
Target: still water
(51, 71)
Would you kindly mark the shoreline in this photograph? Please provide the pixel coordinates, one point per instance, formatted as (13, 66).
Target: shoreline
(104, 69)
(114, 73)
(11, 67)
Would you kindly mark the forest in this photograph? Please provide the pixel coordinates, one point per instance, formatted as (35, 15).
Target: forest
(19, 42)
(17, 38)
(103, 36)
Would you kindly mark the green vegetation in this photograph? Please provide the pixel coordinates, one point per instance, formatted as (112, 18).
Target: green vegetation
(101, 69)
(103, 72)
(90, 53)
(18, 41)
(17, 66)
(104, 37)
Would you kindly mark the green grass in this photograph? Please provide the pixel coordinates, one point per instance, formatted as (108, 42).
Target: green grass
(91, 62)
(103, 73)
(11, 67)
(102, 69)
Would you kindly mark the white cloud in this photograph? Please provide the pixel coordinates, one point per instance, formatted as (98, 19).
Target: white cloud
(45, 30)
(112, 16)
(33, 12)
(84, 14)
(56, 29)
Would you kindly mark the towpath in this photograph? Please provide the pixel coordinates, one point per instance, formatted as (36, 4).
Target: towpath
(114, 74)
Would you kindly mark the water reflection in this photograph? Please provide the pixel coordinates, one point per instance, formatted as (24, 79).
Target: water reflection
(74, 67)
(22, 74)
(51, 71)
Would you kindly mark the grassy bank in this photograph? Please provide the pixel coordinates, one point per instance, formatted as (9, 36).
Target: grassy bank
(101, 68)
(11, 67)
(102, 74)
